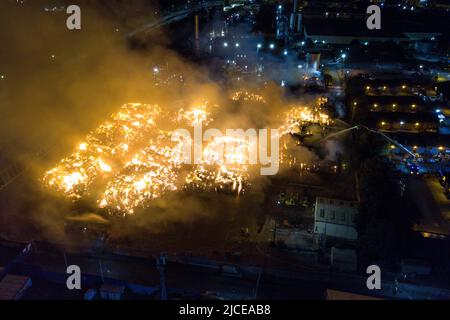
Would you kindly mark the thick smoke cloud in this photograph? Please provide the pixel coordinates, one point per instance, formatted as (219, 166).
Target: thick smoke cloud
(61, 84)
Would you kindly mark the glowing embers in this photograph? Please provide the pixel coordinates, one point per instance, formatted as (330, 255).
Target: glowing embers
(247, 96)
(133, 161)
(148, 175)
(194, 116)
(108, 144)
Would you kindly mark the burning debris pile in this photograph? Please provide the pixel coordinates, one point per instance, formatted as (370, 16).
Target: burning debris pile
(133, 157)
(137, 161)
(109, 143)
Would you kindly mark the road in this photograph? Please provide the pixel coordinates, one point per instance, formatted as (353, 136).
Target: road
(196, 278)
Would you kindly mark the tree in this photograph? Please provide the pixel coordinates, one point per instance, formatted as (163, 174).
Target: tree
(385, 218)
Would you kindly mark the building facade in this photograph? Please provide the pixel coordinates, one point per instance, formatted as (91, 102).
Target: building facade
(335, 218)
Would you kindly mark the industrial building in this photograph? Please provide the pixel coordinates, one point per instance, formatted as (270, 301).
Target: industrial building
(335, 218)
(394, 103)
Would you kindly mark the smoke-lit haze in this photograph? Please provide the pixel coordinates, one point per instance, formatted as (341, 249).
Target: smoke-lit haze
(60, 85)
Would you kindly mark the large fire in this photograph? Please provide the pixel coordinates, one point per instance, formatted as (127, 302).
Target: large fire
(299, 116)
(133, 159)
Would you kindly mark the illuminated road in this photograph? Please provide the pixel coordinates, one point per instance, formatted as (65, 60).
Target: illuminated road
(433, 204)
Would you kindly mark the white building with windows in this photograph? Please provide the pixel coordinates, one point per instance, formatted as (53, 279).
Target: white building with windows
(335, 218)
